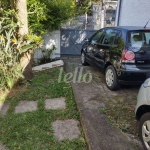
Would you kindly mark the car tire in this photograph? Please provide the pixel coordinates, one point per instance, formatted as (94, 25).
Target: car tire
(83, 59)
(111, 78)
(144, 128)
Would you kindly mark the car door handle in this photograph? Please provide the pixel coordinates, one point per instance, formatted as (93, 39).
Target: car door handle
(101, 50)
(90, 48)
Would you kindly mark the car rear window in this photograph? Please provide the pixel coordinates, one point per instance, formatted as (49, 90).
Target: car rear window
(139, 40)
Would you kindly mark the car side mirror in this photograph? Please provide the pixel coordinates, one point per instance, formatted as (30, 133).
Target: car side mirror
(86, 40)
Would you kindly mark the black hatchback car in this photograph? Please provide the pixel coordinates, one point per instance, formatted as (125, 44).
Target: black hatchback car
(122, 53)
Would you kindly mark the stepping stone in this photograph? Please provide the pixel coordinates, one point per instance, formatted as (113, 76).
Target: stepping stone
(56, 103)
(2, 147)
(26, 106)
(4, 109)
(66, 130)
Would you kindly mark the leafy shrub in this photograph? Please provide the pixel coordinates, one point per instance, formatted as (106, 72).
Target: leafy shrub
(12, 48)
(47, 15)
(47, 54)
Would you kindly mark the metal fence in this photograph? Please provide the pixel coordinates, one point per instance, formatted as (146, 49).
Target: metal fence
(71, 41)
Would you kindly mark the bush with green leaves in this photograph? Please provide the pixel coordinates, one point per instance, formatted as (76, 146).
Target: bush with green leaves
(37, 15)
(60, 11)
(46, 53)
(12, 48)
(47, 15)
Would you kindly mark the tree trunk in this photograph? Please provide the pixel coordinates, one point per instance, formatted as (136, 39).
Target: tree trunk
(21, 7)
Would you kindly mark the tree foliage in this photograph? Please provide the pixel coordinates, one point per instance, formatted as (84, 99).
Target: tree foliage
(49, 14)
(37, 13)
(59, 11)
(46, 15)
(5, 4)
(83, 6)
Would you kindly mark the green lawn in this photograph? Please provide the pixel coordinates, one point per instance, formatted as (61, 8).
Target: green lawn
(33, 130)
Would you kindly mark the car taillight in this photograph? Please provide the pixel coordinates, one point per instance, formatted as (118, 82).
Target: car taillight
(128, 57)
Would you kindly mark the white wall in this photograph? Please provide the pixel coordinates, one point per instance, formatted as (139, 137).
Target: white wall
(49, 39)
(134, 12)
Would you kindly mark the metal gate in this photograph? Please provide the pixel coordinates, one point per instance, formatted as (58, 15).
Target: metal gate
(71, 41)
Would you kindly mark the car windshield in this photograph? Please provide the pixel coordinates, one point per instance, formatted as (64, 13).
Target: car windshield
(139, 40)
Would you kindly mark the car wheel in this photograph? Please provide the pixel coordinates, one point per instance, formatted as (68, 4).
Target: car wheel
(144, 130)
(111, 78)
(83, 59)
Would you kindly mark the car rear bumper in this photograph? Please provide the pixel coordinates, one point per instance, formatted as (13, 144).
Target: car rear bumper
(130, 82)
(133, 75)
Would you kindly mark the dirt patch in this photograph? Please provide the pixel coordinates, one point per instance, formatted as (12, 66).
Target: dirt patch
(17, 89)
(120, 106)
(123, 117)
(121, 113)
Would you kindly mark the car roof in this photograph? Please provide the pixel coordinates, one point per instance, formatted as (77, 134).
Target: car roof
(128, 28)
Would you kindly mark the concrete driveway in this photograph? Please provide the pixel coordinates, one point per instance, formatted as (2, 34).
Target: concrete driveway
(90, 98)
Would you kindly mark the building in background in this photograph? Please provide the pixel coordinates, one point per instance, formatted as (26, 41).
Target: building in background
(109, 12)
(97, 19)
(132, 13)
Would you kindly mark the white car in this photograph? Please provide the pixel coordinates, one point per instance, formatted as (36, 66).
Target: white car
(143, 113)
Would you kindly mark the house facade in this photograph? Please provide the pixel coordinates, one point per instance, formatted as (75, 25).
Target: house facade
(132, 13)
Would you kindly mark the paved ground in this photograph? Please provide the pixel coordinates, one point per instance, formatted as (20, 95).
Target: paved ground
(90, 97)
